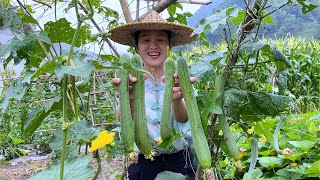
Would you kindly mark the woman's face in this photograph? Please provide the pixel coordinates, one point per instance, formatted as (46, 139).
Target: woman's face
(152, 47)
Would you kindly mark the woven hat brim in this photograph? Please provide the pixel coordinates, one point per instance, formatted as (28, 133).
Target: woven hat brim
(123, 34)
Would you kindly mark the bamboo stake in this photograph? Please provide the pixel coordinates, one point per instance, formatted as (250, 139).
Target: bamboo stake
(126, 11)
(100, 30)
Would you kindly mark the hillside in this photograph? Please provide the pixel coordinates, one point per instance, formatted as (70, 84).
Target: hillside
(288, 20)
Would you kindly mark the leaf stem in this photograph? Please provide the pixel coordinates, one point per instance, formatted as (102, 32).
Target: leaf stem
(63, 152)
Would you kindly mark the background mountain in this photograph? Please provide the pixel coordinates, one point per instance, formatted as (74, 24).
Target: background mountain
(286, 21)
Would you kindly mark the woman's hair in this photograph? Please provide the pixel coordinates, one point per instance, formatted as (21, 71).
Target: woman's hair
(136, 37)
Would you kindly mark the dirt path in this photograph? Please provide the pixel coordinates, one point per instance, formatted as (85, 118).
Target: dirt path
(24, 169)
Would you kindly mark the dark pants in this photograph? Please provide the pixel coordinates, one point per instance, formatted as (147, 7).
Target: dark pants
(180, 162)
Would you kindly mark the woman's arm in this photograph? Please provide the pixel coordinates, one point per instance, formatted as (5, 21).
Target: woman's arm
(179, 109)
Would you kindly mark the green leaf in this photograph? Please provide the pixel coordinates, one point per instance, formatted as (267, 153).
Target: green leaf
(207, 63)
(288, 174)
(32, 120)
(28, 19)
(256, 175)
(314, 170)
(293, 157)
(237, 20)
(15, 140)
(270, 162)
(281, 61)
(215, 20)
(16, 91)
(308, 5)
(107, 12)
(303, 145)
(267, 152)
(48, 67)
(167, 143)
(17, 48)
(168, 175)
(61, 31)
(10, 19)
(252, 106)
(82, 70)
(268, 50)
(76, 168)
(172, 9)
(267, 20)
(266, 128)
(55, 145)
(43, 36)
(210, 103)
(83, 131)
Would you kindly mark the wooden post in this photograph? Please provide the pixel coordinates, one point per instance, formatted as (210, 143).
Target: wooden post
(126, 11)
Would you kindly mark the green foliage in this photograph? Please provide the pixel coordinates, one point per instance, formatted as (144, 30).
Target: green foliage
(297, 159)
(32, 120)
(16, 91)
(9, 19)
(61, 31)
(177, 17)
(76, 168)
(267, 79)
(168, 175)
(80, 134)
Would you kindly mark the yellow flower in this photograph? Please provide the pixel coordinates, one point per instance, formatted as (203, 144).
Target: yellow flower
(262, 140)
(104, 138)
(250, 131)
(242, 153)
(293, 164)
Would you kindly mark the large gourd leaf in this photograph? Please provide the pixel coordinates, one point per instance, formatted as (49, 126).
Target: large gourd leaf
(48, 67)
(83, 70)
(314, 170)
(270, 162)
(32, 120)
(168, 175)
(214, 20)
(252, 106)
(256, 175)
(208, 62)
(268, 50)
(61, 31)
(10, 19)
(76, 168)
(82, 132)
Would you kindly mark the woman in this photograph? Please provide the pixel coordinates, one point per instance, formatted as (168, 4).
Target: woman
(151, 37)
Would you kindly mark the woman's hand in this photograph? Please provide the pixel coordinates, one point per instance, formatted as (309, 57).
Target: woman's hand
(179, 109)
(117, 81)
(176, 91)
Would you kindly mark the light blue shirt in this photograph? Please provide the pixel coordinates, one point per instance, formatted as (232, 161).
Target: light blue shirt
(154, 93)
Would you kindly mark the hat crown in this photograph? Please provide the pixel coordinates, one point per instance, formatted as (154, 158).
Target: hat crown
(153, 16)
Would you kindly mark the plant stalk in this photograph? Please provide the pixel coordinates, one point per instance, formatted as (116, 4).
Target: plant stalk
(63, 152)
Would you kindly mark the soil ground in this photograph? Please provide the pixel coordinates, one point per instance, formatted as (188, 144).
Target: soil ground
(24, 169)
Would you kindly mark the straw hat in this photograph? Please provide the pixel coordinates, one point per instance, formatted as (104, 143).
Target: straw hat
(124, 34)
